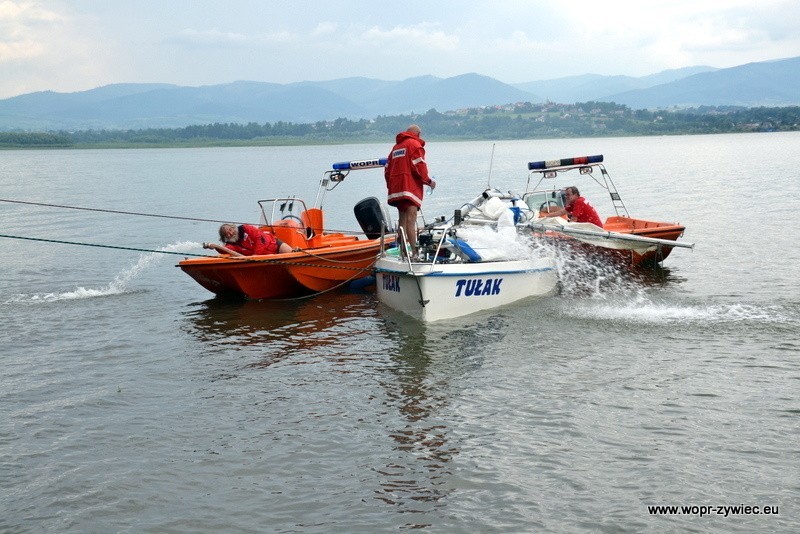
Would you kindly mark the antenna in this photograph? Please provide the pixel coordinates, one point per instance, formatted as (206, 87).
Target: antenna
(491, 161)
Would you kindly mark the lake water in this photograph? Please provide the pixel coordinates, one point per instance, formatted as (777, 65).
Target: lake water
(133, 401)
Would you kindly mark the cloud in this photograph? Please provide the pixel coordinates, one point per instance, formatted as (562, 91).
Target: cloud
(24, 30)
(208, 38)
(73, 45)
(518, 42)
(423, 36)
(324, 29)
(50, 49)
(686, 32)
(25, 12)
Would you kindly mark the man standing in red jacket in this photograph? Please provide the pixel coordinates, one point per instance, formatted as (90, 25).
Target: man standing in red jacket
(406, 172)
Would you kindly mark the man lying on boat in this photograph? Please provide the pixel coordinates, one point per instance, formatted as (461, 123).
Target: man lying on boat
(577, 208)
(247, 240)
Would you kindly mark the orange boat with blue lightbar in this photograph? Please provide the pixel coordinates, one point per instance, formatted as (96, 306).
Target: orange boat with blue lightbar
(621, 238)
(320, 261)
(636, 242)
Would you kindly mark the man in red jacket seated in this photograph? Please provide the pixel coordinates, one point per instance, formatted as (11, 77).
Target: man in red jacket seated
(578, 209)
(247, 240)
(406, 173)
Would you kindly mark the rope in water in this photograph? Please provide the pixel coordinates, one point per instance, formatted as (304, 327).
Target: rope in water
(334, 288)
(61, 242)
(244, 259)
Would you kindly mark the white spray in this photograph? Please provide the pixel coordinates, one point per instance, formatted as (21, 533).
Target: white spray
(120, 283)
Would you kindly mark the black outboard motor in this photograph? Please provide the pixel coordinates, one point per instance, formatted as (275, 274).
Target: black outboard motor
(370, 216)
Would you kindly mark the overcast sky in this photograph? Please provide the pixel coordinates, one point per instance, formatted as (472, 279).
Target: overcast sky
(74, 45)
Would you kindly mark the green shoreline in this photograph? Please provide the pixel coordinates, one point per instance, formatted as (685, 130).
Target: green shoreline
(319, 142)
(519, 122)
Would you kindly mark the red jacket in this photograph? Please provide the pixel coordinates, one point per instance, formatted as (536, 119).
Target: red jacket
(254, 242)
(582, 211)
(406, 172)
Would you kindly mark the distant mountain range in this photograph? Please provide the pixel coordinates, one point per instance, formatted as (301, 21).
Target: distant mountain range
(136, 106)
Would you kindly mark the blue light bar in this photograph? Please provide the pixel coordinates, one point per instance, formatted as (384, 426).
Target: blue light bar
(549, 164)
(360, 164)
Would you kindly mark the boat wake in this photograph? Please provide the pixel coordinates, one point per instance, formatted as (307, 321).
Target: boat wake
(645, 311)
(118, 286)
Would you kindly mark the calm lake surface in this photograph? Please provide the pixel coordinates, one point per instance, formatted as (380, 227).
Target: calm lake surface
(133, 401)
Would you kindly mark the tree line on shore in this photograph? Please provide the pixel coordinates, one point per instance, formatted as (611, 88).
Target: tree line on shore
(513, 121)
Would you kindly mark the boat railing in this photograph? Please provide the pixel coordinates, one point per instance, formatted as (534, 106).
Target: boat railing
(586, 166)
(281, 209)
(329, 181)
(332, 178)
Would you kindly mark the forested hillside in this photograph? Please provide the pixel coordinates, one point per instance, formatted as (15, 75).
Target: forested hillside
(517, 121)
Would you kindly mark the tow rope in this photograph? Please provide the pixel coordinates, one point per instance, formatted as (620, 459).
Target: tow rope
(140, 214)
(242, 259)
(101, 246)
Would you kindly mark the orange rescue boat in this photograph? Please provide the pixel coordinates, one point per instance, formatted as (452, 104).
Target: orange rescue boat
(622, 238)
(320, 260)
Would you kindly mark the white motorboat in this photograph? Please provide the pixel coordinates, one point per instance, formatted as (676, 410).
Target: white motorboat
(433, 291)
(462, 269)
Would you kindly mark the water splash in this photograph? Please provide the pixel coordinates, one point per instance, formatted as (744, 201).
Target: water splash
(608, 292)
(119, 285)
(584, 275)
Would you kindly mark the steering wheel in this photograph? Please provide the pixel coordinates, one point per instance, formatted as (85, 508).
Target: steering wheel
(546, 205)
(292, 217)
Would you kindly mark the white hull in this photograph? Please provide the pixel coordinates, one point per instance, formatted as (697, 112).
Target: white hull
(445, 291)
